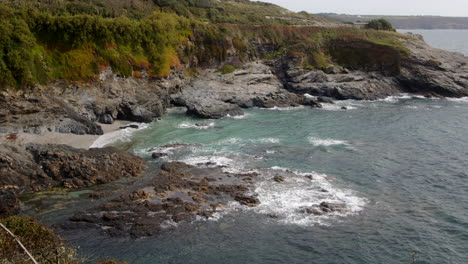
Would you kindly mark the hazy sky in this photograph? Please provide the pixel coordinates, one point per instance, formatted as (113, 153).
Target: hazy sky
(379, 7)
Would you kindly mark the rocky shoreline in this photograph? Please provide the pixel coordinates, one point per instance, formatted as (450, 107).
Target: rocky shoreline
(183, 192)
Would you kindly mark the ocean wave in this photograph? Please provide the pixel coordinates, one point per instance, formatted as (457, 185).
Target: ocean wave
(288, 200)
(288, 108)
(460, 100)
(338, 107)
(200, 126)
(122, 135)
(238, 116)
(237, 141)
(326, 142)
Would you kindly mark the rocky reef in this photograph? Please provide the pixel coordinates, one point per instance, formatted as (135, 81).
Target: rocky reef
(178, 193)
(34, 168)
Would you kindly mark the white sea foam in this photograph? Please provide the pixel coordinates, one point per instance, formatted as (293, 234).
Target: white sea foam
(460, 100)
(238, 116)
(395, 99)
(200, 126)
(338, 106)
(238, 141)
(288, 200)
(122, 135)
(214, 161)
(326, 142)
(289, 108)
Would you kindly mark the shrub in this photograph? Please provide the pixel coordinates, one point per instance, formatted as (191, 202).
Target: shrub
(226, 69)
(380, 24)
(42, 243)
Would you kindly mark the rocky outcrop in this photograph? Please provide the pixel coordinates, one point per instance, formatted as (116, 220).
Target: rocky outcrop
(215, 95)
(75, 108)
(179, 193)
(344, 85)
(433, 71)
(42, 167)
(419, 69)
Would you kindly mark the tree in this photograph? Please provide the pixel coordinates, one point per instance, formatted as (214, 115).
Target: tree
(380, 24)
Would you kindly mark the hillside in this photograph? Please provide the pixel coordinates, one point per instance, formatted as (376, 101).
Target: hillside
(52, 40)
(407, 22)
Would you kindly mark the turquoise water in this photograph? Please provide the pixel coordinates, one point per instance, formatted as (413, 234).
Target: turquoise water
(399, 165)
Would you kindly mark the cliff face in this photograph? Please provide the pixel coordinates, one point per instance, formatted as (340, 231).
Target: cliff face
(76, 108)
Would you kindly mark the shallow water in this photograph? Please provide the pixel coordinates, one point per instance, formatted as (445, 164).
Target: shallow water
(399, 165)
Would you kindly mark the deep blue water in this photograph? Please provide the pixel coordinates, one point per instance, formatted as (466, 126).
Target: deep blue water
(400, 165)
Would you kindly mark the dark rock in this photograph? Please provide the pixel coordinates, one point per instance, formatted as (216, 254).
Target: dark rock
(324, 99)
(43, 167)
(312, 210)
(247, 200)
(130, 126)
(311, 102)
(344, 108)
(157, 155)
(332, 207)
(279, 178)
(9, 203)
(106, 119)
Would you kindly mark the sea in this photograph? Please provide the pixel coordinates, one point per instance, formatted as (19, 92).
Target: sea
(400, 165)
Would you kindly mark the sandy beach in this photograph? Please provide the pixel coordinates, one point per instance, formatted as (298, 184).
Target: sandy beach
(76, 141)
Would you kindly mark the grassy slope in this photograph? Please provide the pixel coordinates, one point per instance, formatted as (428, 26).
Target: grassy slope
(47, 40)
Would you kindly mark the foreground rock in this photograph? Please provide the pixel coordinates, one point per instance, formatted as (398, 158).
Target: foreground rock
(42, 167)
(179, 193)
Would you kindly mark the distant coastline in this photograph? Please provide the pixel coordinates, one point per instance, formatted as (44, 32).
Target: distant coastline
(406, 22)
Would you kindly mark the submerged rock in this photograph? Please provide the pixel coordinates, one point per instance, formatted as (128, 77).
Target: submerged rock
(157, 155)
(179, 193)
(332, 207)
(42, 167)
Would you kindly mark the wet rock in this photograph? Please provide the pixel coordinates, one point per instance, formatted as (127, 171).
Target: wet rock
(106, 119)
(130, 126)
(279, 178)
(157, 155)
(344, 108)
(179, 193)
(9, 203)
(332, 207)
(99, 195)
(312, 211)
(324, 99)
(36, 167)
(247, 200)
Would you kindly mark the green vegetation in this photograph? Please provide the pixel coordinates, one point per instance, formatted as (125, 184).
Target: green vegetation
(380, 24)
(226, 69)
(44, 245)
(47, 40)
